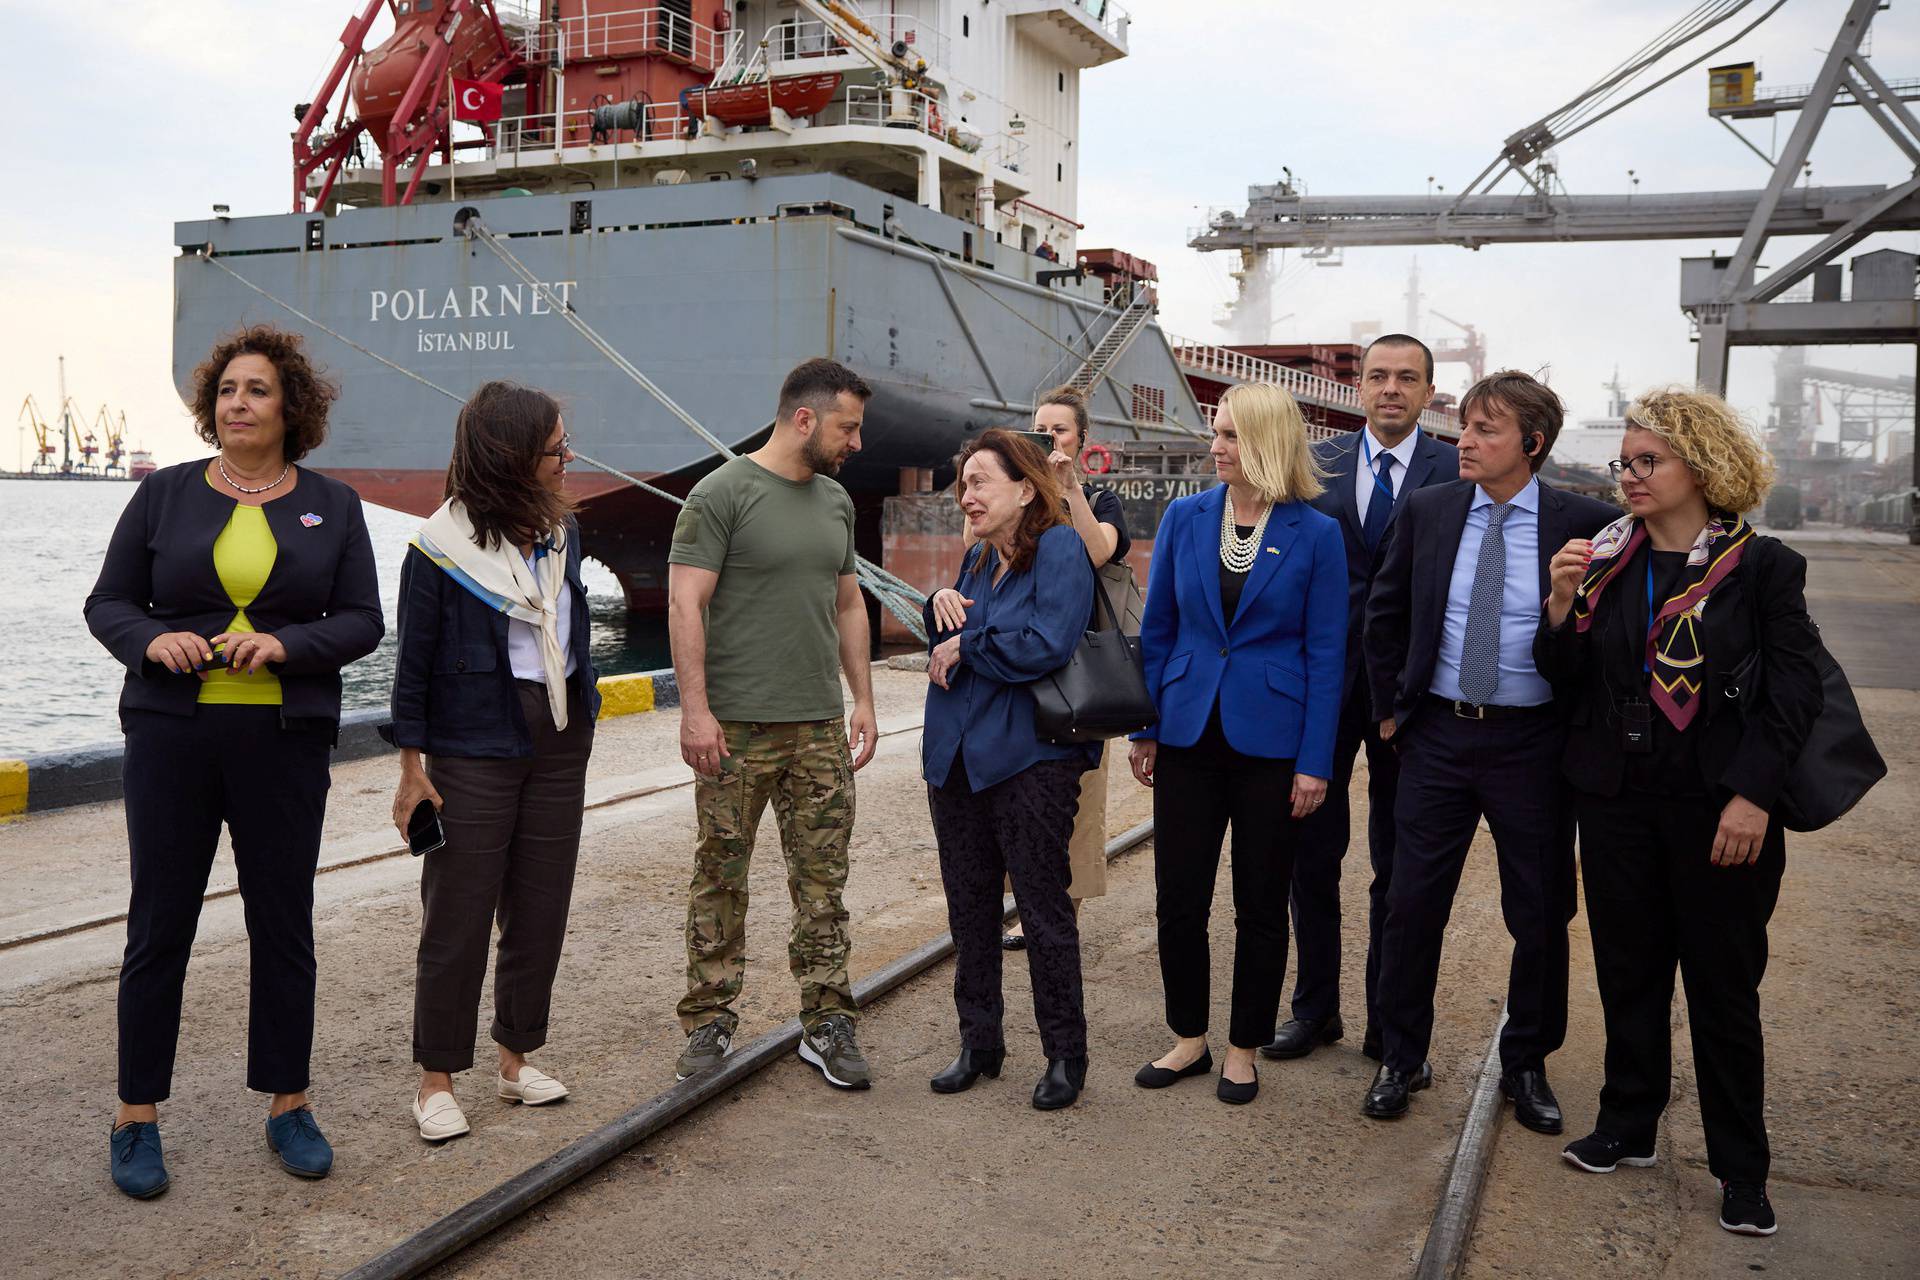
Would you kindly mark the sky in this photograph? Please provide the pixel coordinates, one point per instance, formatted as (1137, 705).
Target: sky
(122, 127)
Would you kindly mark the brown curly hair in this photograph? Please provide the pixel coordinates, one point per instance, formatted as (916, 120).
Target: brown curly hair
(305, 394)
(1021, 459)
(1707, 434)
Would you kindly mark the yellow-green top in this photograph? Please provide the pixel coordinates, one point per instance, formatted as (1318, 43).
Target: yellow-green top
(243, 556)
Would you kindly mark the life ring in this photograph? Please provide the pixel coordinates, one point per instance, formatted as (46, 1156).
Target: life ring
(1099, 453)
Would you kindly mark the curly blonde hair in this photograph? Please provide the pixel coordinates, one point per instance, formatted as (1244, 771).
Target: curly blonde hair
(1707, 434)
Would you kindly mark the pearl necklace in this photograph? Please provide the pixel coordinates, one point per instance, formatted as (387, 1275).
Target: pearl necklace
(1237, 554)
(221, 462)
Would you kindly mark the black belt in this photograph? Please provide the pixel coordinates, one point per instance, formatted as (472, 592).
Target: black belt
(1475, 711)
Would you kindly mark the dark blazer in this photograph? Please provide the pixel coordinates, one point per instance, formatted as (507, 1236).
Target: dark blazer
(453, 687)
(321, 601)
(1766, 591)
(1275, 672)
(1434, 462)
(1407, 605)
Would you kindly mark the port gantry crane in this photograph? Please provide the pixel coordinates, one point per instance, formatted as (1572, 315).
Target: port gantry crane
(1727, 304)
(43, 450)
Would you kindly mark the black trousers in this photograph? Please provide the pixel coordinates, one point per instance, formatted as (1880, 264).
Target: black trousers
(1017, 829)
(1323, 839)
(513, 839)
(183, 777)
(1655, 900)
(1453, 771)
(1198, 793)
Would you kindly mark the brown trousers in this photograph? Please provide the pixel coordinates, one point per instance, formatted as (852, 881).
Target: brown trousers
(513, 837)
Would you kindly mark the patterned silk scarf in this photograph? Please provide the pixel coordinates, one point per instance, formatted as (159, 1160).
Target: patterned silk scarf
(1674, 658)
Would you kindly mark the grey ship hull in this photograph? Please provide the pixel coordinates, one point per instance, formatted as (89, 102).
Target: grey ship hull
(714, 289)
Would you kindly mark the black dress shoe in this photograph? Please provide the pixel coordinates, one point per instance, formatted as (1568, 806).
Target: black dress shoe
(969, 1067)
(1533, 1102)
(1370, 1046)
(1061, 1085)
(1301, 1036)
(1237, 1094)
(1391, 1091)
(1013, 941)
(1152, 1077)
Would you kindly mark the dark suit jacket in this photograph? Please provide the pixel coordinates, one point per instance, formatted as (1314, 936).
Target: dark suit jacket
(321, 601)
(1764, 594)
(1434, 462)
(1408, 603)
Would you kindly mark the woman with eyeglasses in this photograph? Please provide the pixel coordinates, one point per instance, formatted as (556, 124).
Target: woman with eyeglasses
(494, 685)
(1646, 632)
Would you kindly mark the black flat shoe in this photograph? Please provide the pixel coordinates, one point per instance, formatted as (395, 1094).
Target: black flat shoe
(1152, 1077)
(1061, 1085)
(1391, 1092)
(1301, 1036)
(1533, 1102)
(1013, 942)
(968, 1068)
(1238, 1094)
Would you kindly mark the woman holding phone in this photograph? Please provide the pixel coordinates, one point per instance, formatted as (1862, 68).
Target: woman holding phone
(494, 685)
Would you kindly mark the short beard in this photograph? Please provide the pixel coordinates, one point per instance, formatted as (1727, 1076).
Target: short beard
(818, 460)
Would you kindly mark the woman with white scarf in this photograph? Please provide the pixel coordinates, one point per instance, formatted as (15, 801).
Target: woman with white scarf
(494, 686)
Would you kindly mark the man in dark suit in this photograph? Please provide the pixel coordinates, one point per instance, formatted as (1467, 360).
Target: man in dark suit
(1449, 636)
(1369, 473)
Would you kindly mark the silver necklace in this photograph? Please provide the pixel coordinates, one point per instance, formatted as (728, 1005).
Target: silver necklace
(1237, 554)
(221, 462)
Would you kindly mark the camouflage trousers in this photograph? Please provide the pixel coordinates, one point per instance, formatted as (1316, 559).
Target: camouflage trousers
(806, 770)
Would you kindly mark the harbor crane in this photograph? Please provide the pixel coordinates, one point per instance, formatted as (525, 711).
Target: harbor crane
(43, 450)
(1470, 349)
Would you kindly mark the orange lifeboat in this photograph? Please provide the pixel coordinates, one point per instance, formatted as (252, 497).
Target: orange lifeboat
(386, 72)
(747, 104)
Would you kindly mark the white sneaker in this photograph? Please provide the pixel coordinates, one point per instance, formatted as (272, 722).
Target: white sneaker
(440, 1118)
(534, 1088)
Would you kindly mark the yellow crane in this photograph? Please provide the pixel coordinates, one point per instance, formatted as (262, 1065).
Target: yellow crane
(113, 429)
(43, 447)
(89, 443)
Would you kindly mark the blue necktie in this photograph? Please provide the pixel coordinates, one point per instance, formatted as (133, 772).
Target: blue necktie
(1480, 654)
(1380, 504)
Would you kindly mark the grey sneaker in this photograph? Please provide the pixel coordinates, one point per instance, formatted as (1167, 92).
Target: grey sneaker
(829, 1045)
(705, 1048)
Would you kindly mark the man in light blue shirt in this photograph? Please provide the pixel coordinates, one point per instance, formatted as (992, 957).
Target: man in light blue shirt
(1517, 684)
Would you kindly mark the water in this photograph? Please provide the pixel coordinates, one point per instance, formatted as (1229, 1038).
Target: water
(59, 688)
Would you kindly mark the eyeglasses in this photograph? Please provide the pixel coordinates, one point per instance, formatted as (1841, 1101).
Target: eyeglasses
(1641, 468)
(566, 447)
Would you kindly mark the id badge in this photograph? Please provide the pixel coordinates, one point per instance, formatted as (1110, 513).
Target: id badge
(1636, 727)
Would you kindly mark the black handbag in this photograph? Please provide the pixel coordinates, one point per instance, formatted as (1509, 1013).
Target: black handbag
(1838, 764)
(1102, 691)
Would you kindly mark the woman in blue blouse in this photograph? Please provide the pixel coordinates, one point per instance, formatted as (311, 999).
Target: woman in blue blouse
(1003, 800)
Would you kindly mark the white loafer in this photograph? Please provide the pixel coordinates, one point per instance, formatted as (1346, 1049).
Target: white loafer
(441, 1118)
(534, 1088)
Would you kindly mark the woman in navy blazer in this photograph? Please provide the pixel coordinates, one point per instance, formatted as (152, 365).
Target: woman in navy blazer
(1002, 798)
(1244, 643)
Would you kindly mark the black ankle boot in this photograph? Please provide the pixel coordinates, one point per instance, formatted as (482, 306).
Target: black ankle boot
(1061, 1085)
(969, 1067)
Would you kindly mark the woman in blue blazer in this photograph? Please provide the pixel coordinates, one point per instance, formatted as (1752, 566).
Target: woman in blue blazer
(1244, 641)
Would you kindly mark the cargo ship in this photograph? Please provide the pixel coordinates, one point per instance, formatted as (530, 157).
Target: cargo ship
(668, 206)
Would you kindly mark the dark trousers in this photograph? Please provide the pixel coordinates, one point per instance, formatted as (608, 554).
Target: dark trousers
(1453, 771)
(1322, 843)
(513, 837)
(1198, 793)
(184, 776)
(1655, 900)
(1018, 829)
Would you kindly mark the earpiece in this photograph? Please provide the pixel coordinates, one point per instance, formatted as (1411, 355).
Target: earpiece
(1530, 443)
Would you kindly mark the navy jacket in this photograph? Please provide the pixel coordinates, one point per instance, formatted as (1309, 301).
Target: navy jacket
(1015, 633)
(1407, 606)
(1434, 462)
(321, 601)
(1276, 671)
(453, 687)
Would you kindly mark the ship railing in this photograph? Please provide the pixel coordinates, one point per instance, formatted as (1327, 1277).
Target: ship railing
(802, 39)
(1111, 17)
(626, 33)
(893, 107)
(1006, 151)
(1238, 366)
(1316, 431)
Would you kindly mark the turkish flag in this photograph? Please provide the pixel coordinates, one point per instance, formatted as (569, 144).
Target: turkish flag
(477, 100)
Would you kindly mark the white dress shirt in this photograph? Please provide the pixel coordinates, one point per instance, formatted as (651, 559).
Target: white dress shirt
(1370, 450)
(523, 639)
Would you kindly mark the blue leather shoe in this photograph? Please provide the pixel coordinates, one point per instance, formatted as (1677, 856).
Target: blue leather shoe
(296, 1138)
(134, 1154)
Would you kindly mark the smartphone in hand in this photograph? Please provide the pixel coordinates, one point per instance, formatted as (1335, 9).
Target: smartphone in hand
(424, 832)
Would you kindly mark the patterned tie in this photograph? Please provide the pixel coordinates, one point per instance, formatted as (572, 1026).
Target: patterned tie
(1380, 504)
(1480, 656)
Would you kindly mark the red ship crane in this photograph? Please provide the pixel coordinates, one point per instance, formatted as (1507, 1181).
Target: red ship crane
(399, 91)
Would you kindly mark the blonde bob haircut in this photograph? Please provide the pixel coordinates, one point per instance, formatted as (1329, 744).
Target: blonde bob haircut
(1706, 433)
(1274, 456)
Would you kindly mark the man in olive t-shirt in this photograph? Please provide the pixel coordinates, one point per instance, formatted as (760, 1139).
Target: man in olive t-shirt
(764, 613)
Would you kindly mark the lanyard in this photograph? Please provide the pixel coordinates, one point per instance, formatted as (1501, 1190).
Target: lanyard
(1646, 666)
(1380, 482)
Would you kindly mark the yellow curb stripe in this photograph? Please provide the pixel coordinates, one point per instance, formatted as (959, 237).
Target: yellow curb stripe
(13, 787)
(625, 695)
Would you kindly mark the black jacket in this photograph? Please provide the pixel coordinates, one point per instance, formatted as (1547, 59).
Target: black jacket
(321, 601)
(1408, 603)
(1434, 462)
(1594, 669)
(453, 688)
